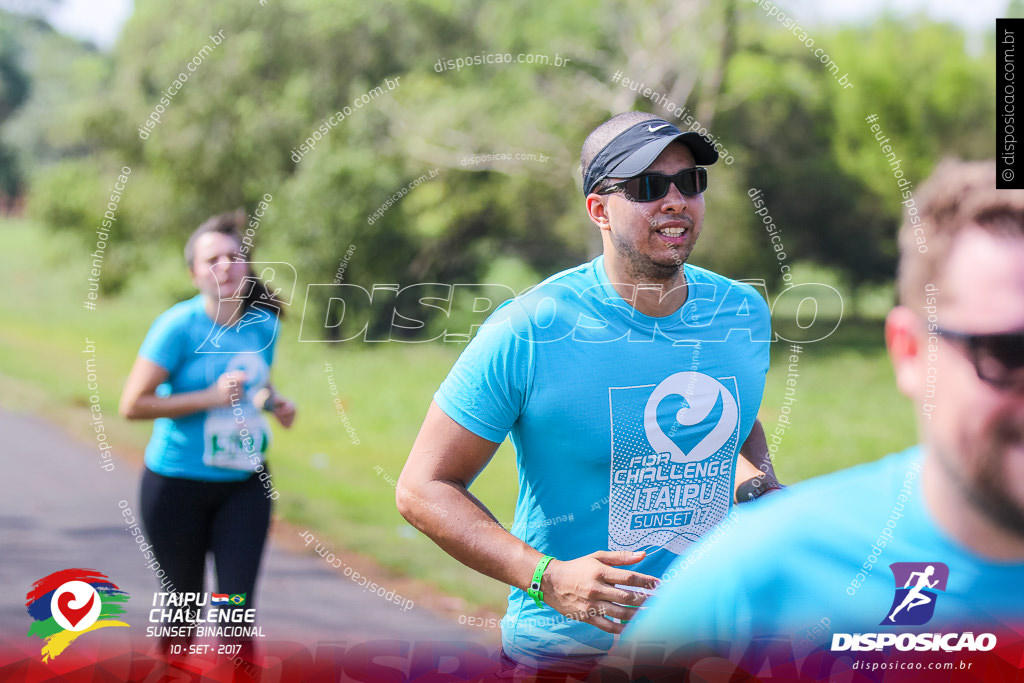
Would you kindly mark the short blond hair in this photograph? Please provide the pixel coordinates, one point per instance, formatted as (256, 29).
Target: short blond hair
(957, 196)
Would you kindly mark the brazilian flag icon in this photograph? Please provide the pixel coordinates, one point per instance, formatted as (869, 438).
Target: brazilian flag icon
(237, 599)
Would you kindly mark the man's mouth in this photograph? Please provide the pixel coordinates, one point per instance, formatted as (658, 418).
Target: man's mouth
(674, 232)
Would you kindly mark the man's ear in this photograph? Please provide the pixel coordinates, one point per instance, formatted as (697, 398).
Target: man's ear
(904, 339)
(597, 210)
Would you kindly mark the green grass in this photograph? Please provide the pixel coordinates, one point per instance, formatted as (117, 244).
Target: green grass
(846, 410)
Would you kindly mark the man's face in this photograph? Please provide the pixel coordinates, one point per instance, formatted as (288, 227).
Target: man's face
(975, 429)
(654, 239)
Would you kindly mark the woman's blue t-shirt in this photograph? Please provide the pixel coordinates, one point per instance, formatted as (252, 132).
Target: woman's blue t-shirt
(224, 443)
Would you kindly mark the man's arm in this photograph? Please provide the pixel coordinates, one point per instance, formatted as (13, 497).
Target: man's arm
(754, 471)
(433, 495)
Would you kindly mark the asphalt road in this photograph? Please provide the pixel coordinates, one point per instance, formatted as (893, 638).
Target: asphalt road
(61, 510)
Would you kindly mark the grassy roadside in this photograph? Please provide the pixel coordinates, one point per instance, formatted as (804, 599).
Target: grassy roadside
(847, 409)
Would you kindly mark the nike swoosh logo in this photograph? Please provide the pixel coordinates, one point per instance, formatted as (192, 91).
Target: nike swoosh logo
(655, 130)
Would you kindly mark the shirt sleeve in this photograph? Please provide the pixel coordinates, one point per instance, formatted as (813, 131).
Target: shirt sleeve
(752, 344)
(488, 387)
(764, 331)
(165, 342)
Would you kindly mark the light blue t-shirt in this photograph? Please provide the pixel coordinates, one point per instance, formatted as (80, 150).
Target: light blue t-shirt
(211, 445)
(814, 561)
(626, 427)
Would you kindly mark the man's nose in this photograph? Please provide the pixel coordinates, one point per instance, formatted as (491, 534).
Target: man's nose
(674, 201)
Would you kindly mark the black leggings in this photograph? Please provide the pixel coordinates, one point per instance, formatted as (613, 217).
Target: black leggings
(185, 519)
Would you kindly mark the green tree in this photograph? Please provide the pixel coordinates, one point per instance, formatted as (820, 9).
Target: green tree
(232, 132)
(808, 146)
(14, 90)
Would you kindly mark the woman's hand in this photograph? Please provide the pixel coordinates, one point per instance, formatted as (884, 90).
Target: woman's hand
(283, 409)
(228, 389)
(271, 401)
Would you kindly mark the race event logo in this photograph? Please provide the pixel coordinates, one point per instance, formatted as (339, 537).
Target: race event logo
(673, 446)
(71, 603)
(202, 615)
(914, 603)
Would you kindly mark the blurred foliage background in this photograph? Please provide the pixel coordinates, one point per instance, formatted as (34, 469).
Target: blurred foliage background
(70, 117)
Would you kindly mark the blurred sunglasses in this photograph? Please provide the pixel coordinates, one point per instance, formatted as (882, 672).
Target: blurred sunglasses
(648, 187)
(998, 358)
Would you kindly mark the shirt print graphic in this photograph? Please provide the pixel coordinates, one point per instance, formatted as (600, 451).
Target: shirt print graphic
(673, 447)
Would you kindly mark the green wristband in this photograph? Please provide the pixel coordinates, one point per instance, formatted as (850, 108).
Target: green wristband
(534, 589)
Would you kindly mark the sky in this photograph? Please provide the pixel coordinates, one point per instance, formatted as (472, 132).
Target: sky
(97, 20)
(100, 21)
(980, 16)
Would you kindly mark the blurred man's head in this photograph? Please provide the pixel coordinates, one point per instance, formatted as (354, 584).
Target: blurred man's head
(957, 340)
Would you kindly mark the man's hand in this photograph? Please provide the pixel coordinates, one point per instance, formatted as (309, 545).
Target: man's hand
(584, 589)
(433, 494)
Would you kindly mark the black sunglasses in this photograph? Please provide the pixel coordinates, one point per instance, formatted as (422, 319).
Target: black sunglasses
(998, 358)
(648, 187)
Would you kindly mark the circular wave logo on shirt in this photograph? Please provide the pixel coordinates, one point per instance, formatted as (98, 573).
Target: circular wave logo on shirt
(699, 395)
(255, 368)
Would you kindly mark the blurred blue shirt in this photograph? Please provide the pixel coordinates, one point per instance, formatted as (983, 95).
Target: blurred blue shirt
(209, 445)
(814, 560)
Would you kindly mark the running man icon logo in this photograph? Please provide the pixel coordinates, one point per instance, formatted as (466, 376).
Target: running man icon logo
(916, 586)
(279, 279)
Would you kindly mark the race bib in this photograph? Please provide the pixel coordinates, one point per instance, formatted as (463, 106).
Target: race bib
(235, 439)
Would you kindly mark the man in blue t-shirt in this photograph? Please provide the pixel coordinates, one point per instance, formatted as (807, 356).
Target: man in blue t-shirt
(928, 541)
(628, 385)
